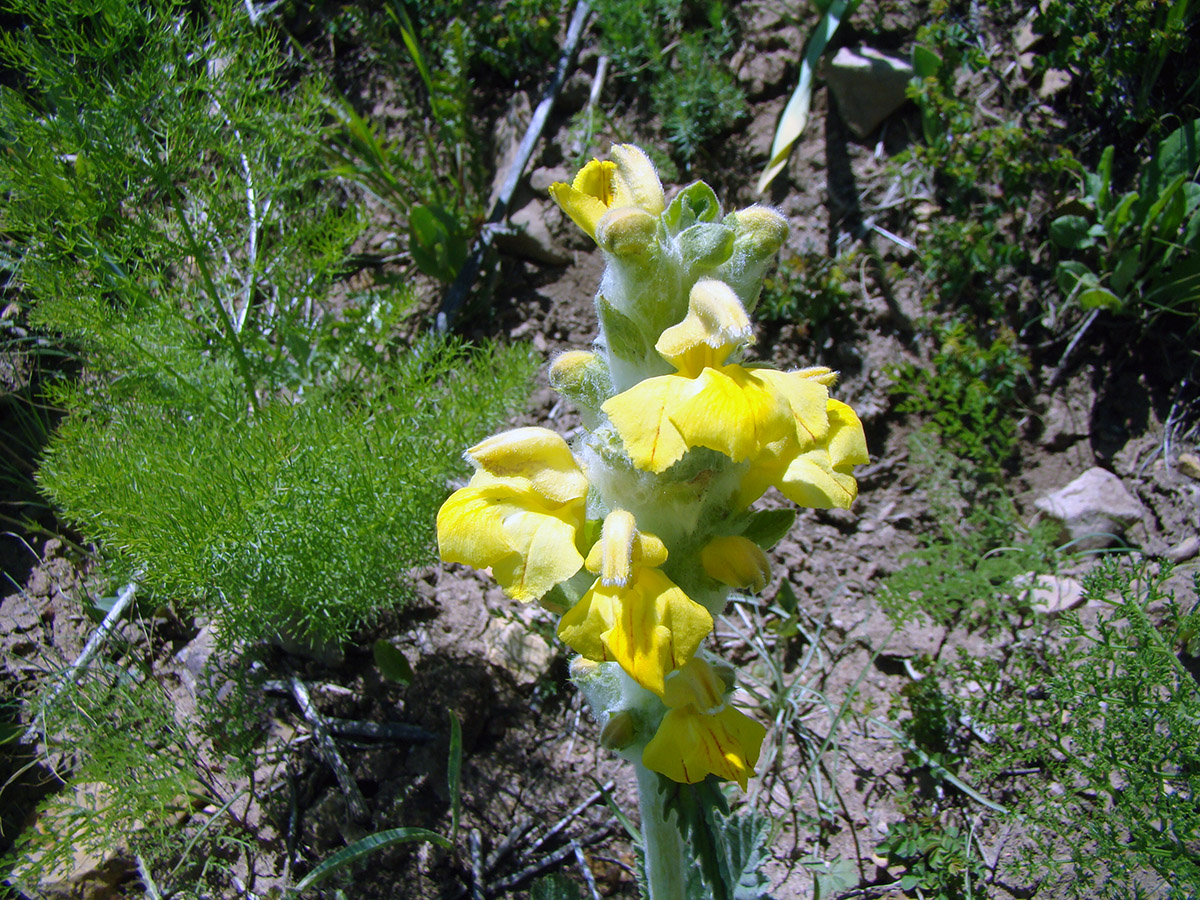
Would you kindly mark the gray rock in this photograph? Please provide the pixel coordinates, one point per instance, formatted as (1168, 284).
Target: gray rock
(514, 647)
(528, 236)
(1051, 593)
(1184, 550)
(868, 84)
(1094, 509)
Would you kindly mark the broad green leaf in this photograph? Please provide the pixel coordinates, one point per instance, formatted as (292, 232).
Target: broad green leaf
(767, 527)
(1071, 273)
(1099, 297)
(795, 114)
(1126, 269)
(391, 662)
(926, 63)
(1071, 232)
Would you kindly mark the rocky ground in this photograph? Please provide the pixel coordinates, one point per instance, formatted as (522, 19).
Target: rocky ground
(532, 770)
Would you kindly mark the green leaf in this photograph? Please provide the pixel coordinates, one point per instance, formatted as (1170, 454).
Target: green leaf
(1178, 154)
(391, 662)
(437, 242)
(830, 877)
(1128, 265)
(1099, 297)
(1071, 232)
(365, 847)
(926, 62)
(1072, 276)
(767, 527)
(705, 246)
(695, 203)
(622, 334)
(795, 114)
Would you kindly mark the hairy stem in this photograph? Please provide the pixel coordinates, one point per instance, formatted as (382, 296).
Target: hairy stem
(665, 852)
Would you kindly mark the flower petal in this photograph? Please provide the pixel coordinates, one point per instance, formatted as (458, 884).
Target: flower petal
(737, 562)
(636, 183)
(650, 628)
(733, 412)
(690, 745)
(534, 459)
(642, 417)
(530, 546)
(589, 196)
(715, 325)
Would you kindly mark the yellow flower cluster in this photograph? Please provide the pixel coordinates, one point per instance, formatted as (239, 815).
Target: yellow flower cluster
(531, 510)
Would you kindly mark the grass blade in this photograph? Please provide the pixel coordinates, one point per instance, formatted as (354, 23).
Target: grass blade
(795, 114)
(366, 846)
(454, 774)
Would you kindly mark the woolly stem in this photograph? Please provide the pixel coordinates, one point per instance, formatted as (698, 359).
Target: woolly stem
(666, 854)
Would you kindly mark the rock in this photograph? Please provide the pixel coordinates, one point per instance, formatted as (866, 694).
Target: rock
(868, 84)
(511, 645)
(1094, 509)
(542, 177)
(1050, 593)
(1184, 550)
(1053, 82)
(1189, 465)
(530, 238)
(1063, 424)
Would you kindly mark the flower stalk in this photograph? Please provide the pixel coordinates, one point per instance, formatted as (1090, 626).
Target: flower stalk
(637, 533)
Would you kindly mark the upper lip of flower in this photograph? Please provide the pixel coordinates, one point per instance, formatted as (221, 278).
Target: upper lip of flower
(627, 180)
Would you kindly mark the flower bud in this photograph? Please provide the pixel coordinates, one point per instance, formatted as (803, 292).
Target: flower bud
(627, 231)
(582, 377)
(737, 562)
(619, 731)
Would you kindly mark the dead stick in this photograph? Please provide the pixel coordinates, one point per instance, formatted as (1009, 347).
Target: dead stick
(546, 862)
(457, 295)
(99, 636)
(354, 798)
(585, 869)
(566, 820)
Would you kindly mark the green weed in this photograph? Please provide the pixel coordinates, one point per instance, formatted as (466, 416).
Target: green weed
(673, 52)
(1129, 60)
(1098, 732)
(969, 395)
(1138, 252)
(808, 289)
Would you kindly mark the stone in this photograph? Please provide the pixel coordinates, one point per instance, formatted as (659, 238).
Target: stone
(1189, 465)
(512, 646)
(529, 238)
(1051, 593)
(868, 84)
(1184, 550)
(1095, 509)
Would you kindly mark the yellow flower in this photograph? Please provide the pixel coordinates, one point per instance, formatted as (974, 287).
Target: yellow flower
(814, 467)
(702, 734)
(737, 562)
(633, 614)
(519, 514)
(706, 403)
(627, 181)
